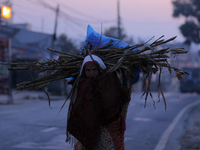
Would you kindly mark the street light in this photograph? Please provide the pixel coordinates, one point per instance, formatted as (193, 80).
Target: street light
(6, 12)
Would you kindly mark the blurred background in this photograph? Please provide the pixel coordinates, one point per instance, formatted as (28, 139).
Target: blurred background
(29, 27)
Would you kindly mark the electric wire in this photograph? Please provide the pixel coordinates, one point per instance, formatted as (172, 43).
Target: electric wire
(83, 14)
(74, 22)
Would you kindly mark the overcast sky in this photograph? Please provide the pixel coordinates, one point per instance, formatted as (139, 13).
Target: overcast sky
(140, 18)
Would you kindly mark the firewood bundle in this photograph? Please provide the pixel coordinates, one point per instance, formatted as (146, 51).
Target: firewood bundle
(150, 58)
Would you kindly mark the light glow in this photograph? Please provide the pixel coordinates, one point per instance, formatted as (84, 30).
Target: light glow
(6, 12)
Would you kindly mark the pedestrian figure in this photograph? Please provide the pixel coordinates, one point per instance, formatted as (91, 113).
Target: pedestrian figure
(98, 106)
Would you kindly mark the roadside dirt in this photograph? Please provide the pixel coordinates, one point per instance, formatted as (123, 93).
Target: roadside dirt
(190, 140)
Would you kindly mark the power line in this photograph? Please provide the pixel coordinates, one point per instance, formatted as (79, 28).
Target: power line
(81, 13)
(146, 23)
(77, 21)
(45, 4)
(26, 13)
(79, 27)
(24, 6)
(80, 22)
(73, 18)
(29, 9)
(33, 2)
(63, 14)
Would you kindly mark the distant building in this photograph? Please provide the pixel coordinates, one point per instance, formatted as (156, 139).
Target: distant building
(26, 44)
(24, 26)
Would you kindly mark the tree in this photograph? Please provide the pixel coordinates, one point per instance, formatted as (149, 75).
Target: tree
(66, 44)
(190, 9)
(113, 32)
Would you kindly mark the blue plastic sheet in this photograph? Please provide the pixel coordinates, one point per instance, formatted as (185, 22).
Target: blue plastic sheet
(93, 37)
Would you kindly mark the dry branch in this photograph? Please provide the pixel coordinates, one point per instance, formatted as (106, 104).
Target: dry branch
(148, 58)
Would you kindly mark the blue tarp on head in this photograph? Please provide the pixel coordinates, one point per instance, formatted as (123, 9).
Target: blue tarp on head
(93, 37)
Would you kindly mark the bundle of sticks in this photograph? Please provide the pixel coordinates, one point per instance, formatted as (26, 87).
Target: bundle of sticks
(150, 58)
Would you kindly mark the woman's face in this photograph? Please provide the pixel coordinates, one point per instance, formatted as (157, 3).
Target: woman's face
(91, 70)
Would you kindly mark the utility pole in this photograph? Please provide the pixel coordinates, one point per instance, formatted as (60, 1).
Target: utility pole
(10, 95)
(119, 21)
(42, 25)
(55, 29)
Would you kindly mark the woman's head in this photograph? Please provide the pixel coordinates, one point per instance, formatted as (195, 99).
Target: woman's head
(91, 70)
(92, 67)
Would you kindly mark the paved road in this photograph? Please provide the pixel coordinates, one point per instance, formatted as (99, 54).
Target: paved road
(146, 126)
(32, 125)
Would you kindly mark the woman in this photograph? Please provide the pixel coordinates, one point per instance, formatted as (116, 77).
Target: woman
(96, 117)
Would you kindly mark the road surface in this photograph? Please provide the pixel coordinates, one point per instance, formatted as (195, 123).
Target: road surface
(33, 125)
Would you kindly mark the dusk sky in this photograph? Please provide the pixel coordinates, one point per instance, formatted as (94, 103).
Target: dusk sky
(140, 18)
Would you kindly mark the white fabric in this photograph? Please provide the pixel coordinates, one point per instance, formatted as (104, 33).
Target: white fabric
(96, 59)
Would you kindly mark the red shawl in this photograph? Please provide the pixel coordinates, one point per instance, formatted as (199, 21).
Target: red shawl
(99, 102)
